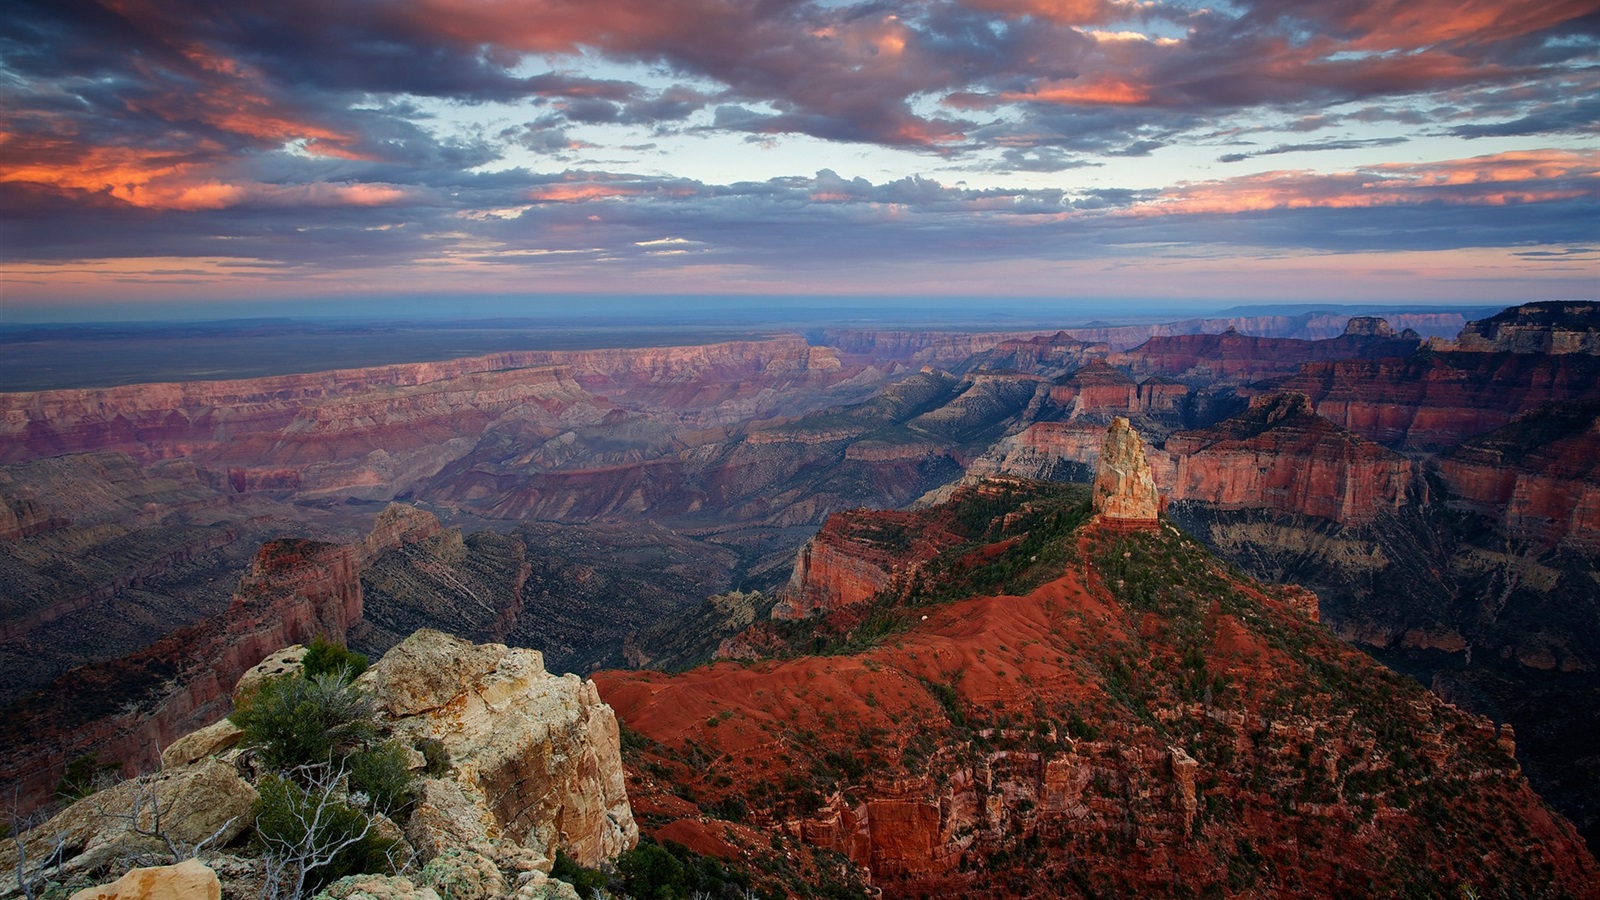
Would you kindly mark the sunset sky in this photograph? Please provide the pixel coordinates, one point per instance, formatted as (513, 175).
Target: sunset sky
(180, 154)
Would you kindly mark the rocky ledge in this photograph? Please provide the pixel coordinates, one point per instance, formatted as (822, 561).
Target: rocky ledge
(509, 764)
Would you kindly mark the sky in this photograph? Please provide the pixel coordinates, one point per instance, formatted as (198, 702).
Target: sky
(319, 154)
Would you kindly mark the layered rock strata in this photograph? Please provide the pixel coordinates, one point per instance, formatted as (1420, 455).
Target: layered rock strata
(1538, 477)
(1280, 455)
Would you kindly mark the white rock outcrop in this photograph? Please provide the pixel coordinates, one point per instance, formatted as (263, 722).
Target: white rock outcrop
(536, 758)
(1124, 489)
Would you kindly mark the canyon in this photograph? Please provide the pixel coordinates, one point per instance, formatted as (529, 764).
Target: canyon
(1434, 501)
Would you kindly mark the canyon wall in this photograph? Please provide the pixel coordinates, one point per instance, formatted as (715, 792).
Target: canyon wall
(128, 709)
(1432, 401)
(1538, 477)
(1304, 327)
(1280, 455)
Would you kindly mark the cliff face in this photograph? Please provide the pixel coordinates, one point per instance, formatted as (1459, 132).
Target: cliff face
(1280, 455)
(1306, 327)
(1238, 358)
(1136, 722)
(1538, 477)
(853, 558)
(128, 709)
(1435, 400)
(1553, 327)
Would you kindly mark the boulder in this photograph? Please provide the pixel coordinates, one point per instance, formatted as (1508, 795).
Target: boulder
(546, 890)
(197, 745)
(188, 880)
(284, 662)
(204, 802)
(537, 757)
(464, 875)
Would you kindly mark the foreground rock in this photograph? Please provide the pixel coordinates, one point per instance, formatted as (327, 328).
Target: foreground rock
(537, 757)
(188, 880)
(139, 820)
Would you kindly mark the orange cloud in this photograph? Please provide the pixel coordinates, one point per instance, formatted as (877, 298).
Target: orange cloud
(156, 180)
(1406, 24)
(578, 193)
(1100, 90)
(1496, 180)
(1066, 12)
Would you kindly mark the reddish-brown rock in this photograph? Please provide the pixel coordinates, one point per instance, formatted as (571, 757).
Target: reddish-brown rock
(1004, 745)
(1236, 357)
(1280, 455)
(1538, 477)
(1435, 400)
(853, 558)
(1097, 388)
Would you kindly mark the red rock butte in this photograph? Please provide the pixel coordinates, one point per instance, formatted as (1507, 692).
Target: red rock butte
(1125, 494)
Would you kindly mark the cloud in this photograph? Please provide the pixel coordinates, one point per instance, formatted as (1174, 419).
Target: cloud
(1315, 146)
(308, 136)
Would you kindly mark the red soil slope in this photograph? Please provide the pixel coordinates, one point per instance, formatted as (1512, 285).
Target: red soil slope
(1144, 723)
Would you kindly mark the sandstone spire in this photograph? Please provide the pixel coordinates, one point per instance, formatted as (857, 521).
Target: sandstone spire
(1124, 491)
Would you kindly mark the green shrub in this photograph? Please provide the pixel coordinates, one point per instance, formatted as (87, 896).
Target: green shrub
(383, 773)
(324, 657)
(295, 721)
(585, 881)
(314, 835)
(671, 871)
(649, 872)
(436, 757)
(84, 776)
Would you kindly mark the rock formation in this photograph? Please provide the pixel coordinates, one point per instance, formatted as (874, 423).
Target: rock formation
(1538, 477)
(851, 559)
(531, 763)
(1280, 455)
(188, 880)
(536, 755)
(1130, 725)
(1124, 490)
(204, 804)
(1554, 327)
